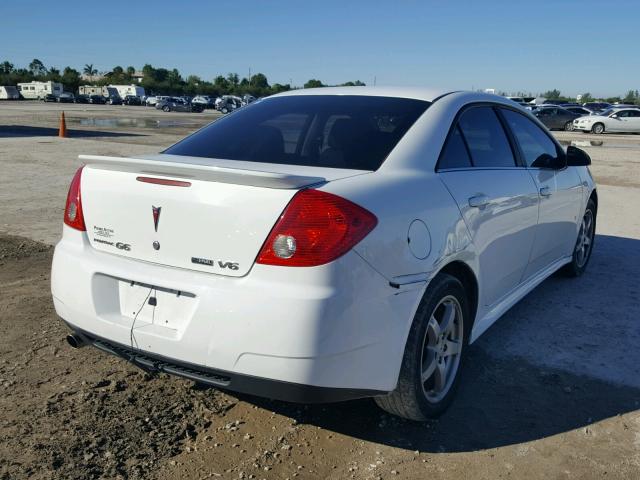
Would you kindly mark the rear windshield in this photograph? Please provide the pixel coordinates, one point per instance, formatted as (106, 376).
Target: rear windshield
(333, 131)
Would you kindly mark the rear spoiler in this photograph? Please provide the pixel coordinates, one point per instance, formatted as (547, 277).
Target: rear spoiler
(209, 173)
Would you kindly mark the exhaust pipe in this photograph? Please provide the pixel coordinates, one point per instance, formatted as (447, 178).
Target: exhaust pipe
(75, 341)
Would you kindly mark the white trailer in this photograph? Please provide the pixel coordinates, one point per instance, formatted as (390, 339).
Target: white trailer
(9, 93)
(91, 90)
(124, 90)
(39, 90)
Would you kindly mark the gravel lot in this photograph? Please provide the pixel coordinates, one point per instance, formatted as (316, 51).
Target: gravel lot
(551, 391)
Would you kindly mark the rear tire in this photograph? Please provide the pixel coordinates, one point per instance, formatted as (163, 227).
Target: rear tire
(166, 108)
(584, 243)
(597, 128)
(434, 353)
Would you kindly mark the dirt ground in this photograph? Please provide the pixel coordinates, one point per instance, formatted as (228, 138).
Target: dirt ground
(552, 391)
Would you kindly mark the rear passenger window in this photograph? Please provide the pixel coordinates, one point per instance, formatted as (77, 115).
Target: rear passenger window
(455, 154)
(538, 149)
(488, 144)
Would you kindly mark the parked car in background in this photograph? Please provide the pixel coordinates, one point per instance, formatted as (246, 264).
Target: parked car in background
(243, 260)
(114, 100)
(66, 97)
(204, 100)
(175, 104)
(247, 99)
(613, 120)
(82, 98)
(556, 118)
(9, 92)
(595, 106)
(228, 103)
(132, 100)
(150, 101)
(97, 99)
(579, 110)
(49, 97)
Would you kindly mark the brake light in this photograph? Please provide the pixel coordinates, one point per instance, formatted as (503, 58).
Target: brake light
(315, 228)
(73, 209)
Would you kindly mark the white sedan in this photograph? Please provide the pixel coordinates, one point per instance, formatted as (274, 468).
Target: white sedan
(324, 244)
(612, 120)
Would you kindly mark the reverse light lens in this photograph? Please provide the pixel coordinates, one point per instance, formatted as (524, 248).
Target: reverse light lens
(73, 209)
(315, 228)
(284, 246)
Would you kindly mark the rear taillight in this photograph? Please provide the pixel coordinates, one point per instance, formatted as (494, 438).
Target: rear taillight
(315, 228)
(73, 209)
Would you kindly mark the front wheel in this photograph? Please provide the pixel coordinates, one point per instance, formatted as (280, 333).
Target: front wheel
(568, 127)
(598, 128)
(584, 243)
(433, 356)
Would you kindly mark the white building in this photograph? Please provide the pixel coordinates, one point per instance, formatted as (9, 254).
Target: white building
(124, 90)
(38, 90)
(9, 93)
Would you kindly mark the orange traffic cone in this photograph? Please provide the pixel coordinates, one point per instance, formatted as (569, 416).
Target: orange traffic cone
(62, 132)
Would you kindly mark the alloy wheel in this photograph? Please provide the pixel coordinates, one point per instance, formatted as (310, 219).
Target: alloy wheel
(585, 239)
(442, 349)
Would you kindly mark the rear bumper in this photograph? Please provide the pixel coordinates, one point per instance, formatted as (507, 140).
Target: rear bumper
(303, 334)
(262, 387)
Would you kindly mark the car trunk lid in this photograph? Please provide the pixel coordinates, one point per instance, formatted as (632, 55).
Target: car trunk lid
(185, 212)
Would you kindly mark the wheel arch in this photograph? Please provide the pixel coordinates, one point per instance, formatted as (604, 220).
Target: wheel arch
(463, 272)
(594, 197)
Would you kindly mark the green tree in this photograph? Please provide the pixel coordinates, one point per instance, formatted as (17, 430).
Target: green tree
(631, 97)
(357, 83)
(552, 94)
(71, 79)
(221, 83)
(6, 67)
(89, 70)
(586, 97)
(313, 83)
(36, 67)
(259, 80)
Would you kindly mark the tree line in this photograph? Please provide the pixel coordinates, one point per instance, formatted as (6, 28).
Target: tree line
(157, 81)
(632, 97)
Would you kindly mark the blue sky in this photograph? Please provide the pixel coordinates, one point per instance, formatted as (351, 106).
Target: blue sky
(575, 46)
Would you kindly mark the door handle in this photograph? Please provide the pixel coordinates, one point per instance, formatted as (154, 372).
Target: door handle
(478, 201)
(545, 191)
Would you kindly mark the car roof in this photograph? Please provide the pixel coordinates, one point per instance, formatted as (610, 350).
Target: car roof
(417, 93)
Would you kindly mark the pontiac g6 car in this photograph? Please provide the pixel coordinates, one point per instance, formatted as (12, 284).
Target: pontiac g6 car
(323, 245)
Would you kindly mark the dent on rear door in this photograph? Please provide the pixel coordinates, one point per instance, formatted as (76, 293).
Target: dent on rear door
(503, 230)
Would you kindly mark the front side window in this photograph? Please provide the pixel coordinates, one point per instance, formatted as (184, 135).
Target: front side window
(486, 139)
(350, 131)
(538, 149)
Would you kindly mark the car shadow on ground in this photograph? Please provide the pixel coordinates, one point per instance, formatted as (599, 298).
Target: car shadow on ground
(520, 396)
(7, 131)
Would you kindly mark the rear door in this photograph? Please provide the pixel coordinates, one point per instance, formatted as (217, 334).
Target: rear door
(560, 192)
(498, 199)
(624, 120)
(634, 121)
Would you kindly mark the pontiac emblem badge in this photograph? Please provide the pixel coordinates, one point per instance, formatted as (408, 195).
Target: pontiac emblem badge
(156, 216)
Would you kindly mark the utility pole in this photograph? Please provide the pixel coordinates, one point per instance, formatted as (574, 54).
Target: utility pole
(249, 76)
(374, 80)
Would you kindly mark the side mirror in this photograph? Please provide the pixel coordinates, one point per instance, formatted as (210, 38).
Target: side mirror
(577, 157)
(615, 115)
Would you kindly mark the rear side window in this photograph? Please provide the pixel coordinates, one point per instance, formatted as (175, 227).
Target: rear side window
(354, 132)
(487, 141)
(455, 154)
(537, 148)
